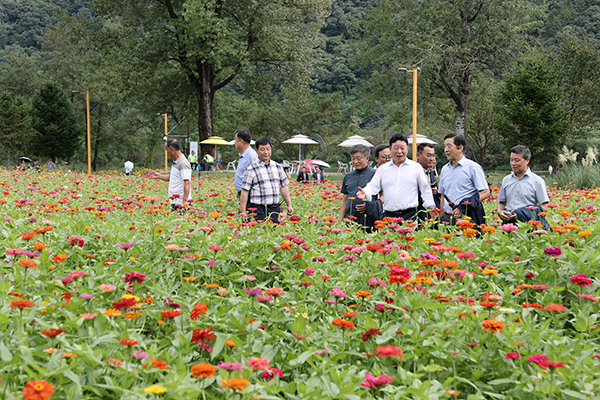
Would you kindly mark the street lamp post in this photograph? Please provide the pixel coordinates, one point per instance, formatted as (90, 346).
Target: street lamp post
(415, 72)
(89, 130)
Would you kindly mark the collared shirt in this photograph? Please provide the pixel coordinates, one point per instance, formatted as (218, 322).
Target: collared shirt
(463, 180)
(529, 190)
(352, 181)
(180, 171)
(401, 185)
(264, 182)
(246, 159)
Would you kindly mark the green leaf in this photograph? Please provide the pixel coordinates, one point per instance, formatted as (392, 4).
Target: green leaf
(5, 354)
(299, 325)
(218, 347)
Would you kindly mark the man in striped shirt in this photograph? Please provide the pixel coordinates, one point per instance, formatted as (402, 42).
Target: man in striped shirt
(262, 184)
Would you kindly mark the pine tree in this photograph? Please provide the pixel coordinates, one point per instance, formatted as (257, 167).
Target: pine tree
(532, 115)
(57, 132)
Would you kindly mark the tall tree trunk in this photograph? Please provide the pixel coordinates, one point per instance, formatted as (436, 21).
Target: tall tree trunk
(98, 140)
(462, 105)
(205, 94)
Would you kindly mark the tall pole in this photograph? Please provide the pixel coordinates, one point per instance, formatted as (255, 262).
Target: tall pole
(166, 134)
(415, 71)
(89, 133)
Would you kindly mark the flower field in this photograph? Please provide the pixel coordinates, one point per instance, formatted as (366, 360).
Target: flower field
(104, 293)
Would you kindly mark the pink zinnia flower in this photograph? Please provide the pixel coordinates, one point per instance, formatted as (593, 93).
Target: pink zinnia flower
(271, 375)
(107, 288)
(338, 293)
(512, 356)
(253, 292)
(264, 299)
(581, 280)
(126, 245)
(229, 366)
(553, 251)
(309, 271)
(509, 228)
(375, 382)
(537, 358)
(274, 291)
(259, 363)
(135, 277)
(88, 316)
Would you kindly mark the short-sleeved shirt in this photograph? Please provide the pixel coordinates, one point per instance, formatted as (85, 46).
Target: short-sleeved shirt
(264, 182)
(529, 190)
(463, 180)
(246, 159)
(180, 171)
(352, 181)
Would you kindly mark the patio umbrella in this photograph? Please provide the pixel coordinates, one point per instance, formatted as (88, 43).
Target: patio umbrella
(26, 159)
(352, 140)
(421, 139)
(320, 163)
(300, 139)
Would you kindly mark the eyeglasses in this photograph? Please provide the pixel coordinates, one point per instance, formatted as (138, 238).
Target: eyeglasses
(385, 157)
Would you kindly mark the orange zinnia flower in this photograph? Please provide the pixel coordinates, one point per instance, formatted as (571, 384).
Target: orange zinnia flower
(170, 314)
(39, 246)
(21, 304)
(492, 325)
(38, 390)
(450, 264)
(557, 308)
(203, 370)
(349, 314)
(27, 263)
(235, 383)
(52, 332)
(363, 293)
(27, 235)
(129, 342)
(198, 311)
(342, 323)
(159, 364)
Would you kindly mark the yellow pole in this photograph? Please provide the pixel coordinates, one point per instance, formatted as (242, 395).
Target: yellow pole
(414, 121)
(89, 133)
(166, 133)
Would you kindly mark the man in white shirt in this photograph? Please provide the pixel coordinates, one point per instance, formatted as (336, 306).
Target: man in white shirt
(179, 179)
(401, 180)
(128, 167)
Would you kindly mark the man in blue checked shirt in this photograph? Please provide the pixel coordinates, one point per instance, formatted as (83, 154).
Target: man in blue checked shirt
(262, 184)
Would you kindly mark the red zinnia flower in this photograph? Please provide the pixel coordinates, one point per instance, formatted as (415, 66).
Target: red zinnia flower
(124, 303)
(369, 333)
(202, 335)
(129, 342)
(52, 332)
(170, 314)
(389, 351)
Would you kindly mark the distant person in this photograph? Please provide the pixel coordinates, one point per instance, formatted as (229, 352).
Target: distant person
(36, 165)
(208, 162)
(247, 157)
(128, 167)
(179, 179)
(352, 206)
(462, 183)
(22, 166)
(51, 165)
(286, 169)
(193, 160)
(523, 194)
(302, 175)
(262, 185)
(318, 174)
(382, 154)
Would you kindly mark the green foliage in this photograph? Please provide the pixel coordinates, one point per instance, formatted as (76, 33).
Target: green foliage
(14, 124)
(578, 176)
(448, 41)
(57, 132)
(533, 115)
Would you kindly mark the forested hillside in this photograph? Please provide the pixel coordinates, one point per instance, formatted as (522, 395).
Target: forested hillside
(352, 83)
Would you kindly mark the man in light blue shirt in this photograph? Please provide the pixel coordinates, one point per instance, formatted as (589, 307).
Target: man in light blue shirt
(247, 156)
(462, 183)
(523, 194)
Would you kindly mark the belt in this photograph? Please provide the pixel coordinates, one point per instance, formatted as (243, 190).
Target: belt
(264, 205)
(401, 212)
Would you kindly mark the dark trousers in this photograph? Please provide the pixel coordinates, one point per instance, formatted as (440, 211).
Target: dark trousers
(262, 212)
(409, 213)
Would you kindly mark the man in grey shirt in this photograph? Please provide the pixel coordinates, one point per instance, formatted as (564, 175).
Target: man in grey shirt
(523, 194)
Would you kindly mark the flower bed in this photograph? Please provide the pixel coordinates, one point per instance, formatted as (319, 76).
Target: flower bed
(107, 294)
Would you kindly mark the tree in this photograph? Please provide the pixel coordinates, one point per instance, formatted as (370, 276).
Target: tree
(14, 124)
(533, 115)
(57, 132)
(448, 40)
(197, 47)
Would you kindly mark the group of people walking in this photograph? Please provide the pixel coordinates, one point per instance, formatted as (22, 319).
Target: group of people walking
(397, 187)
